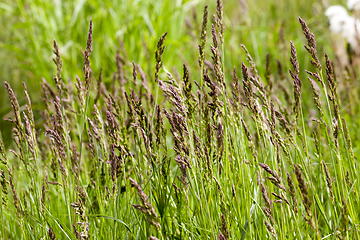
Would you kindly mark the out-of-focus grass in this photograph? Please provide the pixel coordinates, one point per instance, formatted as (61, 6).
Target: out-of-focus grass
(28, 28)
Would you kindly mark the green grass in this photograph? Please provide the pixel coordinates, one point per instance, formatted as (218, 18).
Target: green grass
(183, 157)
(31, 26)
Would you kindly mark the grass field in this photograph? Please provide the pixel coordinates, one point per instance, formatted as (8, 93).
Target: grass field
(176, 120)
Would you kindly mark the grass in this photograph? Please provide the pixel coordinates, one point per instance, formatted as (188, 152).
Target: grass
(26, 46)
(170, 145)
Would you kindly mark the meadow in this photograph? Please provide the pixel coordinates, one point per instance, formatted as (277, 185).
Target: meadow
(176, 120)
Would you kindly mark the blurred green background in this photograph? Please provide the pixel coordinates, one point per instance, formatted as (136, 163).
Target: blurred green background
(29, 27)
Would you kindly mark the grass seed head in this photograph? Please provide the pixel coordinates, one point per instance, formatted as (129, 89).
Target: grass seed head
(247, 85)
(16, 199)
(87, 53)
(203, 37)
(59, 64)
(270, 229)
(219, 19)
(291, 191)
(311, 44)
(4, 195)
(52, 235)
(158, 56)
(3, 159)
(16, 108)
(251, 61)
(336, 132)
(265, 196)
(328, 181)
(344, 218)
(214, 37)
(303, 189)
(316, 97)
(224, 228)
(297, 83)
(146, 208)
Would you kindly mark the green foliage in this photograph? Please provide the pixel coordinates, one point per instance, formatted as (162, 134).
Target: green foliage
(134, 139)
(30, 27)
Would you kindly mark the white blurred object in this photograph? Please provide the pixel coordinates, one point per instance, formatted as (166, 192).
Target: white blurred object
(340, 24)
(353, 5)
(343, 24)
(336, 10)
(345, 29)
(351, 32)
